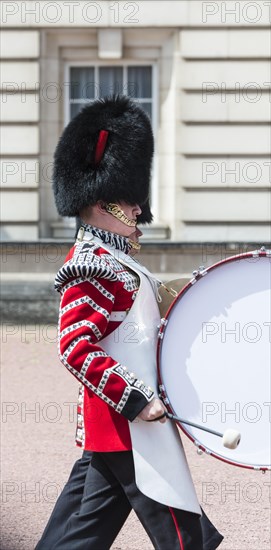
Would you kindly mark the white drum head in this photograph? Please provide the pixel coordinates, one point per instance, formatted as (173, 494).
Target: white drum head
(214, 358)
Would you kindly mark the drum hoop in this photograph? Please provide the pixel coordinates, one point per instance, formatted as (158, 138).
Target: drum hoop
(252, 254)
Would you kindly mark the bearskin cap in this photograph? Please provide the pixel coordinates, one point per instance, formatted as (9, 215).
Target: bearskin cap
(119, 171)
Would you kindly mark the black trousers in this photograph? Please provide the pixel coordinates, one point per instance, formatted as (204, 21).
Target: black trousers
(97, 500)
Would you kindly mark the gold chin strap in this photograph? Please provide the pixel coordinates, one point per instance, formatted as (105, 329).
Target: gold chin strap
(116, 211)
(134, 245)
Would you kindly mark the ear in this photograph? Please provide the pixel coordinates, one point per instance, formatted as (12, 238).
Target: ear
(101, 207)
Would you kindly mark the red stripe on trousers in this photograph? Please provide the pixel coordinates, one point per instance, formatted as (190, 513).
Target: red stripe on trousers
(177, 528)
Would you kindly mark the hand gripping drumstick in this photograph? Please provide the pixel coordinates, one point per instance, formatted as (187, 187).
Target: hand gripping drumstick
(230, 438)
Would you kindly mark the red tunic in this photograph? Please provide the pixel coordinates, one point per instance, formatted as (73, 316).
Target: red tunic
(93, 285)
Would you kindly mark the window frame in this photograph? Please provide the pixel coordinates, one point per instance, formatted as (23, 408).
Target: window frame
(125, 63)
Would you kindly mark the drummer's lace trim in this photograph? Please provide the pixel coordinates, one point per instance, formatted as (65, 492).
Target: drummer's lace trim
(133, 382)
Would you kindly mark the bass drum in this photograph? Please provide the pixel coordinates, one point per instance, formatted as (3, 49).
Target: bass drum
(213, 357)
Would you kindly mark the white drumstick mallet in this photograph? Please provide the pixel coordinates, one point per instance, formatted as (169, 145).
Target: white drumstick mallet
(230, 438)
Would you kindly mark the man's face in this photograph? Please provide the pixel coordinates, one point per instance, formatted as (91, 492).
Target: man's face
(98, 216)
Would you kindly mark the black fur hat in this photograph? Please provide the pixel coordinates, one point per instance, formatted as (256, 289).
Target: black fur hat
(105, 153)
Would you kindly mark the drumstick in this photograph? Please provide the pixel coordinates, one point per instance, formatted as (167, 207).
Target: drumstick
(178, 419)
(230, 438)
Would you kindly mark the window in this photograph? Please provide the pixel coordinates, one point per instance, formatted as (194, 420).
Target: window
(91, 82)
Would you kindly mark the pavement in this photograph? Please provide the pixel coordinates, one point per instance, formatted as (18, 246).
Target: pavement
(38, 451)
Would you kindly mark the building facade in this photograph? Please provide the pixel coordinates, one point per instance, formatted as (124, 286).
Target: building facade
(200, 69)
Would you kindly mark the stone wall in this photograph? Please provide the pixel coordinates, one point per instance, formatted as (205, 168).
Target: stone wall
(211, 62)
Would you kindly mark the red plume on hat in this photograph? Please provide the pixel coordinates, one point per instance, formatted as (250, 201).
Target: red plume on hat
(105, 153)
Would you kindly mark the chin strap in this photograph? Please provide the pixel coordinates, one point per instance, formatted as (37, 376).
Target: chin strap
(118, 213)
(134, 245)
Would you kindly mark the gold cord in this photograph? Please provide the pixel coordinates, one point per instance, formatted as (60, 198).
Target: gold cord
(170, 290)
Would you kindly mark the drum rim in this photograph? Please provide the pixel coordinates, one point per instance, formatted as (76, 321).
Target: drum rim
(251, 254)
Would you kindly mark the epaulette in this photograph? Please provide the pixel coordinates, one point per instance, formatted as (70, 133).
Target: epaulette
(84, 264)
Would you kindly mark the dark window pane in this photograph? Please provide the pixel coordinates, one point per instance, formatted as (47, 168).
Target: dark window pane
(111, 80)
(82, 85)
(76, 108)
(147, 107)
(140, 82)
